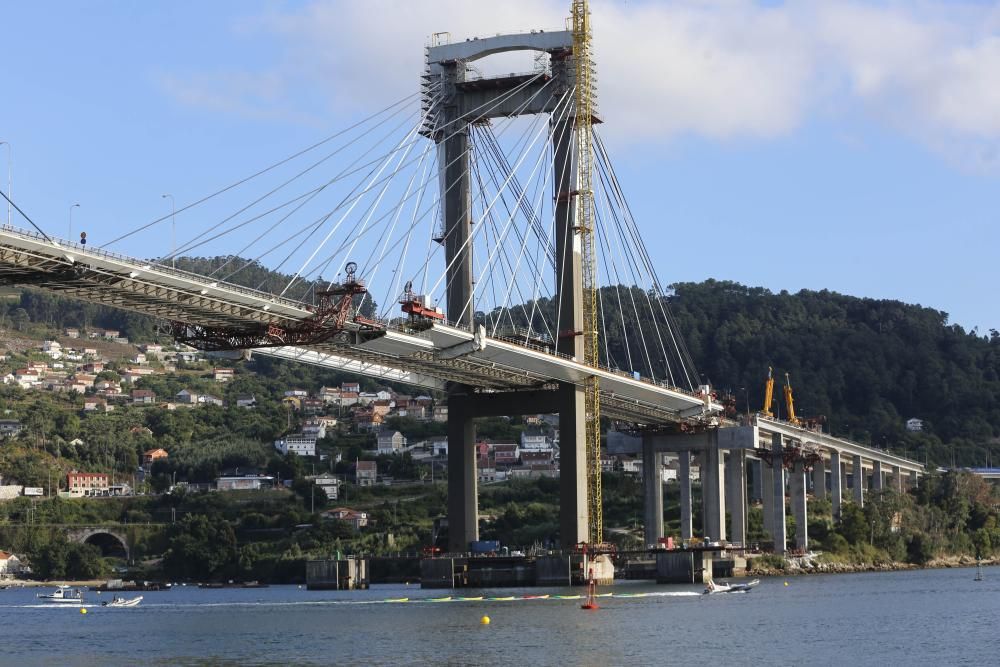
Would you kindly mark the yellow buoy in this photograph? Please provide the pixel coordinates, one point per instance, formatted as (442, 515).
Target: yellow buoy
(786, 583)
(485, 620)
(82, 610)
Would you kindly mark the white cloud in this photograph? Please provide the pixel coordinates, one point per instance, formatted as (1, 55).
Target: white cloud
(716, 68)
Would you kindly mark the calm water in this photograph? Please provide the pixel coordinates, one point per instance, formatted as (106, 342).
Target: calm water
(939, 617)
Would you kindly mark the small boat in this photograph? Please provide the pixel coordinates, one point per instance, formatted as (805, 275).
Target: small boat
(507, 598)
(397, 600)
(536, 597)
(63, 595)
(444, 599)
(712, 588)
(119, 601)
(472, 599)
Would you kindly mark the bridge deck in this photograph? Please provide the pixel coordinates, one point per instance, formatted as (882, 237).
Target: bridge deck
(429, 358)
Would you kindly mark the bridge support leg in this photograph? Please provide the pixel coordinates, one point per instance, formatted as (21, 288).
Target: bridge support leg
(913, 479)
(684, 479)
(778, 489)
(736, 495)
(819, 480)
(652, 480)
(859, 481)
(797, 489)
(836, 484)
(573, 524)
(755, 482)
(767, 497)
(897, 479)
(463, 502)
(713, 497)
(878, 482)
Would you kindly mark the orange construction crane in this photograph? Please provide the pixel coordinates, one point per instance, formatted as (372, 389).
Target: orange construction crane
(768, 394)
(790, 403)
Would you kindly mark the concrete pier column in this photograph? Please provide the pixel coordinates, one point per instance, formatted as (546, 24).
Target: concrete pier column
(684, 479)
(573, 522)
(836, 483)
(797, 491)
(767, 499)
(819, 480)
(463, 502)
(652, 481)
(877, 482)
(859, 481)
(736, 495)
(778, 489)
(897, 480)
(913, 479)
(713, 493)
(755, 482)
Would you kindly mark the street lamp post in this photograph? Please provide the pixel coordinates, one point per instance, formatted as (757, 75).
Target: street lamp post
(10, 195)
(173, 212)
(70, 237)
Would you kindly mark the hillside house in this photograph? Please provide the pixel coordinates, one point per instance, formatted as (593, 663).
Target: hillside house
(9, 428)
(299, 444)
(81, 484)
(11, 565)
(143, 397)
(314, 427)
(365, 473)
(222, 374)
(353, 517)
(246, 401)
(153, 455)
(391, 442)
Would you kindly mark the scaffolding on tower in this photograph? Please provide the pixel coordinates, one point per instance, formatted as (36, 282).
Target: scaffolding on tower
(584, 99)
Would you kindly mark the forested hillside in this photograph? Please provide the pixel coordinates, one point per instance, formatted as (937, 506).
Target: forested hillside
(868, 365)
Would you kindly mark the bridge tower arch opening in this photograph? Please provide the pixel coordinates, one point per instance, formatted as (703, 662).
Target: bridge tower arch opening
(455, 101)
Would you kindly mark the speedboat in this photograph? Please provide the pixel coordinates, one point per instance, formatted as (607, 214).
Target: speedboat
(119, 601)
(63, 595)
(712, 588)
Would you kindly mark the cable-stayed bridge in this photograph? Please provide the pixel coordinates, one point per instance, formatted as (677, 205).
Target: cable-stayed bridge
(480, 243)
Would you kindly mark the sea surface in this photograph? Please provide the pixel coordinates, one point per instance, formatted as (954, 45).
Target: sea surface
(932, 617)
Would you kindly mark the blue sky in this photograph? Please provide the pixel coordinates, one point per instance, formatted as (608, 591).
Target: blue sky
(850, 146)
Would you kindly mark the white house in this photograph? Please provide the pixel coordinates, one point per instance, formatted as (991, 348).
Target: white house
(535, 442)
(915, 425)
(10, 565)
(297, 443)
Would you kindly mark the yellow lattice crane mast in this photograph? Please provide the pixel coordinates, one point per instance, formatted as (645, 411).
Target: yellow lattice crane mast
(790, 403)
(584, 99)
(768, 394)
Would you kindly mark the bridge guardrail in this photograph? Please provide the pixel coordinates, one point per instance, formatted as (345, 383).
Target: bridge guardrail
(101, 252)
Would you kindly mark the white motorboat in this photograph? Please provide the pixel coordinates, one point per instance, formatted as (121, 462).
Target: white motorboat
(63, 595)
(712, 588)
(119, 601)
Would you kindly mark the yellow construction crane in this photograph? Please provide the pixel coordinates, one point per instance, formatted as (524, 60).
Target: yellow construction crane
(584, 99)
(768, 394)
(790, 403)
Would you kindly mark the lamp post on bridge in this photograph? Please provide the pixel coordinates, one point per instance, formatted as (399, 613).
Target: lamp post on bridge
(10, 195)
(70, 237)
(173, 212)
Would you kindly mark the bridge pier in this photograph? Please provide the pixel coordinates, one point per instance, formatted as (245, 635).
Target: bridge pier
(859, 481)
(463, 499)
(652, 481)
(797, 492)
(573, 520)
(897, 479)
(756, 489)
(684, 479)
(778, 491)
(713, 499)
(913, 479)
(767, 497)
(836, 483)
(819, 480)
(877, 481)
(736, 496)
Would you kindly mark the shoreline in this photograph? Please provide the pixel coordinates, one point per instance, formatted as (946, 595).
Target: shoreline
(810, 566)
